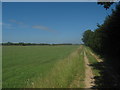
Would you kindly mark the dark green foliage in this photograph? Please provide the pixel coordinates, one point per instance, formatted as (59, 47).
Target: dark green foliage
(105, 40)
(106, 4)
(87, 36)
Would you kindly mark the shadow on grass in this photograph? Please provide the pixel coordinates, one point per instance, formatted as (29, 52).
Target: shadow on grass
(106, 79)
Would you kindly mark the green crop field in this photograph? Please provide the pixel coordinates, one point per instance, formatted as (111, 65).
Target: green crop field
(42, 66)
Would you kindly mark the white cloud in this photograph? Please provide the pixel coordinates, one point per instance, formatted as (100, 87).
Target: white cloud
(17, 22)
(21, 24)
(42, 28)
(6, 25)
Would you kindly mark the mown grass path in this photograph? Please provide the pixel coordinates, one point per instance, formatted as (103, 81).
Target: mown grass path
(78, 81)
(90, 73)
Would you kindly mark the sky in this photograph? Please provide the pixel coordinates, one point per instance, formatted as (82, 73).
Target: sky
(50, 22)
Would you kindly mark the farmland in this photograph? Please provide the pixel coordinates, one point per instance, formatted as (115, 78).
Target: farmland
(62, 66)
(41, 66)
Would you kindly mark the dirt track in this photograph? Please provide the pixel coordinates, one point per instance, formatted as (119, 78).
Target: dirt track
(89, 77)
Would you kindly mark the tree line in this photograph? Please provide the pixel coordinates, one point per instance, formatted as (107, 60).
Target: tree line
(29, 44)
(105, 40)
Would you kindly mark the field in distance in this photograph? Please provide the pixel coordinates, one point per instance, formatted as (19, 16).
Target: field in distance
(42, 66)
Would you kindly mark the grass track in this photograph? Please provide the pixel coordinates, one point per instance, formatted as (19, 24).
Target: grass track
(92, 60)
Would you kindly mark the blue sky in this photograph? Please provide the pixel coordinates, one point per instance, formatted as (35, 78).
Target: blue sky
(50, 22)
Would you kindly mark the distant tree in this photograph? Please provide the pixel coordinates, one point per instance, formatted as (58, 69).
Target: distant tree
(22, 43)
(87, 37)
(9, 43)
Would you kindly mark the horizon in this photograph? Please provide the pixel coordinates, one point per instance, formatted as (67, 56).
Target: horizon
(50, 22)
(38, 43)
